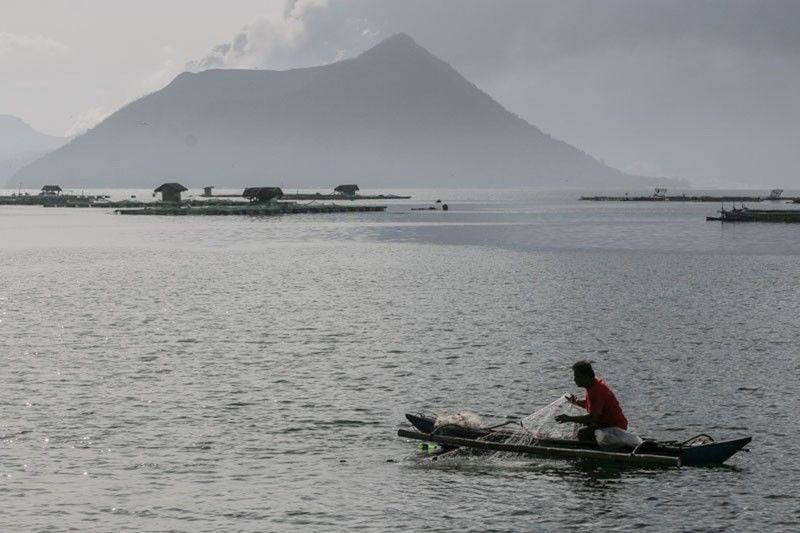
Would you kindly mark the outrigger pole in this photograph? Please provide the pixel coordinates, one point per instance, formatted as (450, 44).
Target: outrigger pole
(544, 451)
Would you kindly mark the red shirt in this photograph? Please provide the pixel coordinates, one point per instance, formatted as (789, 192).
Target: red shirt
(601, 402)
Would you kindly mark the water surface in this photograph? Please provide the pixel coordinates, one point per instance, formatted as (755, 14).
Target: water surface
(207, 374)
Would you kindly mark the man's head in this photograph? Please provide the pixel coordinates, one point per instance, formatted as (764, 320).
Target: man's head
(584, 374)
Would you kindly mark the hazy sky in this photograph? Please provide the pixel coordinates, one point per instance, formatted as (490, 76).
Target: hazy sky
(701, 90)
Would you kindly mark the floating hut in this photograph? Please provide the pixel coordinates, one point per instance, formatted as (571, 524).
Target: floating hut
(262, 195)
(51, 190)
(347, 190)
(171, 192)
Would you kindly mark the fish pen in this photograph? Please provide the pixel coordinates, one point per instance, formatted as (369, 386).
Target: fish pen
(660, 195)
(255, 209)
(745, 214)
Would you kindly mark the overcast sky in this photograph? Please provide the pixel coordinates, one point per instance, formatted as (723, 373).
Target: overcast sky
(701, 90)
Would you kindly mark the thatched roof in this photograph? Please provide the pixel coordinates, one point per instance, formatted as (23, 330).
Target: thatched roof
(349, 190)
(262, 194)
(171, 187)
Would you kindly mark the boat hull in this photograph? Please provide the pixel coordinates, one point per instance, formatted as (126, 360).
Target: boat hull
(651, 452)
(714, 453)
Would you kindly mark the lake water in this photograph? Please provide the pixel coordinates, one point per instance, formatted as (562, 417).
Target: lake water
(250, 374)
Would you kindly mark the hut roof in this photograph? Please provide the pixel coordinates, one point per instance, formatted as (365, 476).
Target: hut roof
(176, 187)
(262, 194)
(347, 189)
(51, 188)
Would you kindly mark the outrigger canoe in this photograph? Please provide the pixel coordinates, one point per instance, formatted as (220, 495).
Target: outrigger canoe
(696, 451)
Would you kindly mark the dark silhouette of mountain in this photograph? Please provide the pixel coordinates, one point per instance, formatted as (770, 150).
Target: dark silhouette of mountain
(393, 116)
(20, 145)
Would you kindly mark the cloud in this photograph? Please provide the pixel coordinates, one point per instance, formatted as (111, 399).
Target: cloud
(14, 43)
(30, 57)
(268, 42)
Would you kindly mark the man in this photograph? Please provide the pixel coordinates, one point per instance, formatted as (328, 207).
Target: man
(600, 402)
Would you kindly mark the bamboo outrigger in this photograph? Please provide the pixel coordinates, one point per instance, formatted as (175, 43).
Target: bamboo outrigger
(545, 451)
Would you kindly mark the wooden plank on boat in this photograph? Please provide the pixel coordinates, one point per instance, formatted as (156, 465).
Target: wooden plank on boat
(545, 451)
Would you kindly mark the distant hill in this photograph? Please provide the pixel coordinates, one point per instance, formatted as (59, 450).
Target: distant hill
(20, 145)
(393, 116)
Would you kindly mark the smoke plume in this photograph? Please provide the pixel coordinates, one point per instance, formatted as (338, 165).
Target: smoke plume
(297, 37)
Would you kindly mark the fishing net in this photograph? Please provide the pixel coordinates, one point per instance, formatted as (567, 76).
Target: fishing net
(530, 430)
(542, 424)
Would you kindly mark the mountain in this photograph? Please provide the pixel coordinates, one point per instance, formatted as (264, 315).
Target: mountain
(393, 116)
(20, 145)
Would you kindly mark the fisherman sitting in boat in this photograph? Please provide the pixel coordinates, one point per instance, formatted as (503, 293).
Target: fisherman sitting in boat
(603, 408)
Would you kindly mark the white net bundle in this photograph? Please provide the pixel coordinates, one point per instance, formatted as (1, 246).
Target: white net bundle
(462, 418)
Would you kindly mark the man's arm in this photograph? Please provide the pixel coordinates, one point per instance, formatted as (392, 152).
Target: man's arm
(589, 419)
(573, 400)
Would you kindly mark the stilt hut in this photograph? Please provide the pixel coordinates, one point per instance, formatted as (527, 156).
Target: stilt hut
(261, 195)
(51, 190)
(347, 190)
(171, 192)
